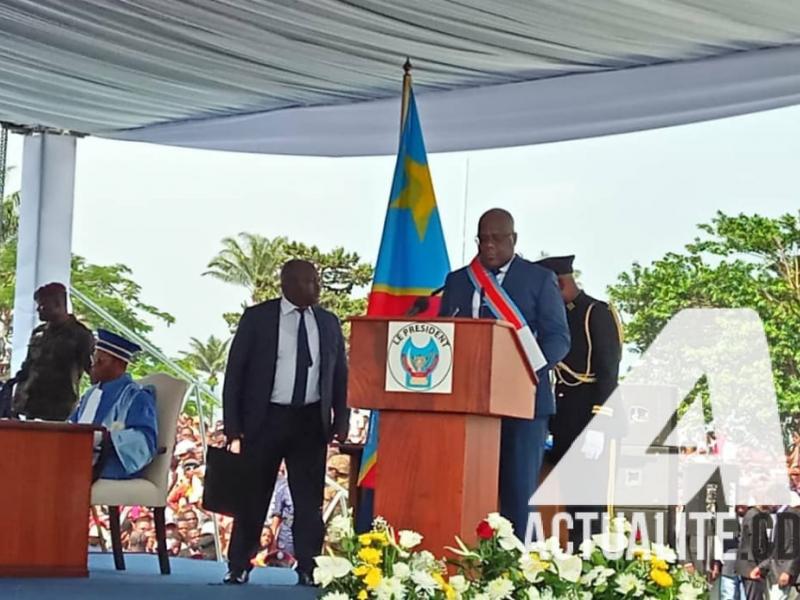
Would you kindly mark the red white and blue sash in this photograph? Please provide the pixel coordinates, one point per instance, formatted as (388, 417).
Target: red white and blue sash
(504, 308)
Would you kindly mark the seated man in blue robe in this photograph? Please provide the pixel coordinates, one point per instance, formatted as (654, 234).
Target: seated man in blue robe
(125, 410)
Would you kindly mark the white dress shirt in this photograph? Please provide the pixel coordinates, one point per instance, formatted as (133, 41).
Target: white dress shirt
(286, 361)
(476, 297)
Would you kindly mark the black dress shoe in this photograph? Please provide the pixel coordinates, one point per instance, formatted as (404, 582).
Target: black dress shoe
(306, 579)
(236, 577)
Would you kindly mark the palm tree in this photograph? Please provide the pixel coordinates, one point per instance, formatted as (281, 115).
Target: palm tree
(208, 358)
(252, 261)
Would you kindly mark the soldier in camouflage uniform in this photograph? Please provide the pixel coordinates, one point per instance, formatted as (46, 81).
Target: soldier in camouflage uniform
(59, 352)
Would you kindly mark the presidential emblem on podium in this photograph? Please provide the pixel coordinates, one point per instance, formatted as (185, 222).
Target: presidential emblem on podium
(420, 357)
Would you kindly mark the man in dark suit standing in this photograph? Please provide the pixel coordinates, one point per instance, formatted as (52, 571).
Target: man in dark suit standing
(535, 295)
(284, 398)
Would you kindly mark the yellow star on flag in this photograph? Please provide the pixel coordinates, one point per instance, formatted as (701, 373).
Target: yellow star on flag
(417, 195)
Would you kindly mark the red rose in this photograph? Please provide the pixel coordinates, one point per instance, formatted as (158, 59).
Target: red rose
(485, 531)
(638, 535)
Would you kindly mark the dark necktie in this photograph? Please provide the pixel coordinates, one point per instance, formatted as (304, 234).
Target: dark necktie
(302, 364)
(485, 312)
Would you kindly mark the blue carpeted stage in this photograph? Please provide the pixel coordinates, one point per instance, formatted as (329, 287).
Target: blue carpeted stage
(190, 580)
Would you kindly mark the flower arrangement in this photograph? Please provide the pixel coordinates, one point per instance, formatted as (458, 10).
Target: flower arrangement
(384, 565)
(379, 564)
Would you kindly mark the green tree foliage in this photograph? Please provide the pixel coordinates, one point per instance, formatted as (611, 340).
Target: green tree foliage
(207, 358)
(111, 287)
(743, 261)
(251, 261)
(254, 262)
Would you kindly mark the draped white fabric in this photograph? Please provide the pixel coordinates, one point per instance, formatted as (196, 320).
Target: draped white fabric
(323, 76)
(548, 110)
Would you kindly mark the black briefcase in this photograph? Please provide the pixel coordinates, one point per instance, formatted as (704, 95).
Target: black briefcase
(225, 484)
(6, 396)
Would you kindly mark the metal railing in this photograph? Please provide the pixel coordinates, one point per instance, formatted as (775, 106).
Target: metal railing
(197, 389)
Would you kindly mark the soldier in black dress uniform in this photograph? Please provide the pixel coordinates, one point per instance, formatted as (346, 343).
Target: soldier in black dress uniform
(586, 377)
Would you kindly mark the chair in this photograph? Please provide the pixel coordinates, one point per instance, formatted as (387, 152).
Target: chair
(151, 489)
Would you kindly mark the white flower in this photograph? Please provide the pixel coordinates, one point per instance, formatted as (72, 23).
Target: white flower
(500, 588)
(547, 594)
(533, 593)
(569, 567)
(409, 539)
(390, 588)
(401, 570)
(627, 583)
(619, 525)
(585, 595)
(532, 567)
(689, 592)
(511, 542)
(424, 581)
(597, 577)
(459, 584)
(335, 596)
(665, 553)
(330, 568)
(423, 561)
(480, 596)
(501, 525)
(339, 528)
(610, 543)
(548, 549)
(587, 547)
(462, 550)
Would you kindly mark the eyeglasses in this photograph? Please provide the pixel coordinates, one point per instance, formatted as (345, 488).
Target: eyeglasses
(494, 238)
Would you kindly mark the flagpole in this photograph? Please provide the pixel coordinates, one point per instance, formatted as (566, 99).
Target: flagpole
(406, 93)
(464, 219)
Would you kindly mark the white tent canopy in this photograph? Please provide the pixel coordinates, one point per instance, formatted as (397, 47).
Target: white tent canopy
(322, 77)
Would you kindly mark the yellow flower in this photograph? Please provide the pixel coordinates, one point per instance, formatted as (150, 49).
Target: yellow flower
(380, 537)
(658, 563)
(661, 578)
(370, 556)
(373, 578)
(362, 595)
(361, 570)
(448, 590)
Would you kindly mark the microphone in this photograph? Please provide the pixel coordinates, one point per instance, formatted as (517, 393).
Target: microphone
(422, 303)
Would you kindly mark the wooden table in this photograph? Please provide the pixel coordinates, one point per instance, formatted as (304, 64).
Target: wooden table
(45, 486)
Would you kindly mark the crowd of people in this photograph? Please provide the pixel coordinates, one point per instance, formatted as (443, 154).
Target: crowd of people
(746, 560)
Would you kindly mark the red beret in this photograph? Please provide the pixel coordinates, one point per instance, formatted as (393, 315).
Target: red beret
(51, 289)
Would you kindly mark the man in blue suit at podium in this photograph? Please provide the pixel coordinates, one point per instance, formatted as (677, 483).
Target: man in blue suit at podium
(498, 284)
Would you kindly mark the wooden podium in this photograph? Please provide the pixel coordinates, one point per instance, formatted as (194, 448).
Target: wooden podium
(45, 486)
(438, 453)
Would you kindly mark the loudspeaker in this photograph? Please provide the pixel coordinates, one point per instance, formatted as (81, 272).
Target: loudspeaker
(645, 404)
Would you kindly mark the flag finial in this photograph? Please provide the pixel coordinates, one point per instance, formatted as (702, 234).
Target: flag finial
(407, 66)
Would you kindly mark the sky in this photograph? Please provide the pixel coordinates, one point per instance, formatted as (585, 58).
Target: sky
(611, 201)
